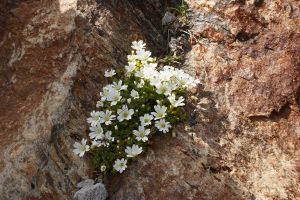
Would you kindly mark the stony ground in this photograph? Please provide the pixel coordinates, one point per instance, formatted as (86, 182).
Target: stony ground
(243, 135)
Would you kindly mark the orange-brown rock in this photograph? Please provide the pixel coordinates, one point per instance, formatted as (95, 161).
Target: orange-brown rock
(52, 58)
(245, 133)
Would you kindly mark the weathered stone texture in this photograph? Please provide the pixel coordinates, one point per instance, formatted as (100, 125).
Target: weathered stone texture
(52, 58)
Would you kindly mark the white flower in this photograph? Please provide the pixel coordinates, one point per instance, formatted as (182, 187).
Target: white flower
(130, 67)
(99, 104)
(103, 168)
(129, 100)
(149, 70)
(143, 55)
(164, 88)
(138, 45)
(106, 117)
(108, 136)
(120, 165)
(94, 120)
(114, 96)
(118, 86)
(160, 111)
(133, 151)
(141, 84)
(81, 148)
(110, 73)
(162, 125)
(96, 132)
(124, 113)
(96, 143)
(141, 134)
(134, 94)
(174, 102)
(146, 119)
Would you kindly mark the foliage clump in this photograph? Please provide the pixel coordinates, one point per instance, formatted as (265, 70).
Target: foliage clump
(141, 101)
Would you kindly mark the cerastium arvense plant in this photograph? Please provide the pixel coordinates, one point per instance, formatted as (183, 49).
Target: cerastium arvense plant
(140, 102)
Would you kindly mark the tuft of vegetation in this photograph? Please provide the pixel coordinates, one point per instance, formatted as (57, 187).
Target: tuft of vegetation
(140, 103)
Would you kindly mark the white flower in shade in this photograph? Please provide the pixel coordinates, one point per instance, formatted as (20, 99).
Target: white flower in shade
(129, 100)
(163, 88)
(96, 132)
(103, 168)
(160, 112)
(138, 45)
(133, 151)
(141, 134)
(130, 67)
(143, 55)
(132, 57)
(118, 86)
(114, 97)
(96, 143)
(94, 120)
(139, 73)
(174, 102)
(149, 70)
(141, 84)
(125, 113)
(134, 94)
(108, 136)
(163, 125)
(110, 73)
(99, 104)
(81, 148)
(146, 119)
(120, 165)
(106, 117)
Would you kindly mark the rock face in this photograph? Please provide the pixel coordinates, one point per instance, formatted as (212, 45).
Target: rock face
(245, 124)
(52, 59)
(244, 135)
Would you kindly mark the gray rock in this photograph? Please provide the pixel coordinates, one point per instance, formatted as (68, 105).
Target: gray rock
(85, 183)
(91, 192)
(168, 18)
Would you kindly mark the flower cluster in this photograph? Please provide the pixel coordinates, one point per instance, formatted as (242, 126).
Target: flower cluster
(139, 103)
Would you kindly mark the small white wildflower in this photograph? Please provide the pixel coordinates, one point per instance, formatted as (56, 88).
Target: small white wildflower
(97, 143)
(119, 86)
(163, 125)
(134, 94)
(106, 117)
(94, 119)
(120, 165)
(141, 84)
(146, 119)
(110, 73)
(125, 113)
(129, 100)
(138, 45)
(160, 112)
(130, 67)
(164, 88)
(81, 148)
(103, 168)
(108, 136)
(99, 104)
(116, 127)
(114, 96)
(141, 133)
(96, 132)
(133, 151)
(174, 102)
(143, 55)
